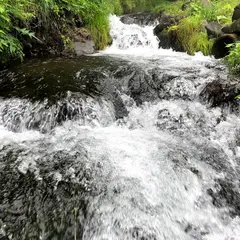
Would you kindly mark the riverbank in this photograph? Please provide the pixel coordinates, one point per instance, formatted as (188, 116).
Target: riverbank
(32, 29)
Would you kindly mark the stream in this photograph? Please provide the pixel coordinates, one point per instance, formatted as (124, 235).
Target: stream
(119, 145)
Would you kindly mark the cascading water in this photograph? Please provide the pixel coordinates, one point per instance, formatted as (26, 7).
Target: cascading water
(118, 146)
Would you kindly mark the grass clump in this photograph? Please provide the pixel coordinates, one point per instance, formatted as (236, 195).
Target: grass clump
(192, 35)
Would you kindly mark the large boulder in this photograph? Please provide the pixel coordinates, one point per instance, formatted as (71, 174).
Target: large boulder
(165, 21)
(232, 28)
(218, 93)
(236, 13)
(82, 42)
(226, 29)
(142, 19)
(235, 26)
(84, 48)
(168, 39)
(214, 29)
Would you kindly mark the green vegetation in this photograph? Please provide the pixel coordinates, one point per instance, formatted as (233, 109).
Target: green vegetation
(24, 19)
(190, 31)
(192, 35)
(218, 10)
(233, 59)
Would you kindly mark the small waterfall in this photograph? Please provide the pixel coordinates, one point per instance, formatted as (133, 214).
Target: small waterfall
(131, 38)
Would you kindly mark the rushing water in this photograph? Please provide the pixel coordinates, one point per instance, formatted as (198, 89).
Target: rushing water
(118, 146)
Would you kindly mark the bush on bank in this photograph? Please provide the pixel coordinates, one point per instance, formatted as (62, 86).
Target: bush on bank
(23, 20)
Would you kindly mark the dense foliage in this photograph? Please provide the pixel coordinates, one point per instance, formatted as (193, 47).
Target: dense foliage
(24, 17)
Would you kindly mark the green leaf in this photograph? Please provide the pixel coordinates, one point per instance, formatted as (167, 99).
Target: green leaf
(237, 97)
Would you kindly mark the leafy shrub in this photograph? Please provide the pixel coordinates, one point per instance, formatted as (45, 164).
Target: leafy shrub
(16, 18)
(9, 44)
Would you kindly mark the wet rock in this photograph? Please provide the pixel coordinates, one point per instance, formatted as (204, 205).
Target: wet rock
(120, 109)
(216, 158)
(83, 48)
(82, 40)
(165, 121)
(140, 234)
(35, 202)
(165, 21)
(196, 232)
(226, 29)
(142, 19)
(236, 13)
(4, 237)
(214, 29)
(235, 26)
(226, 193)
(217, 93)
(167, 39)
(232, 28)
(67, 112)
(160, 84)
(142, 88)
